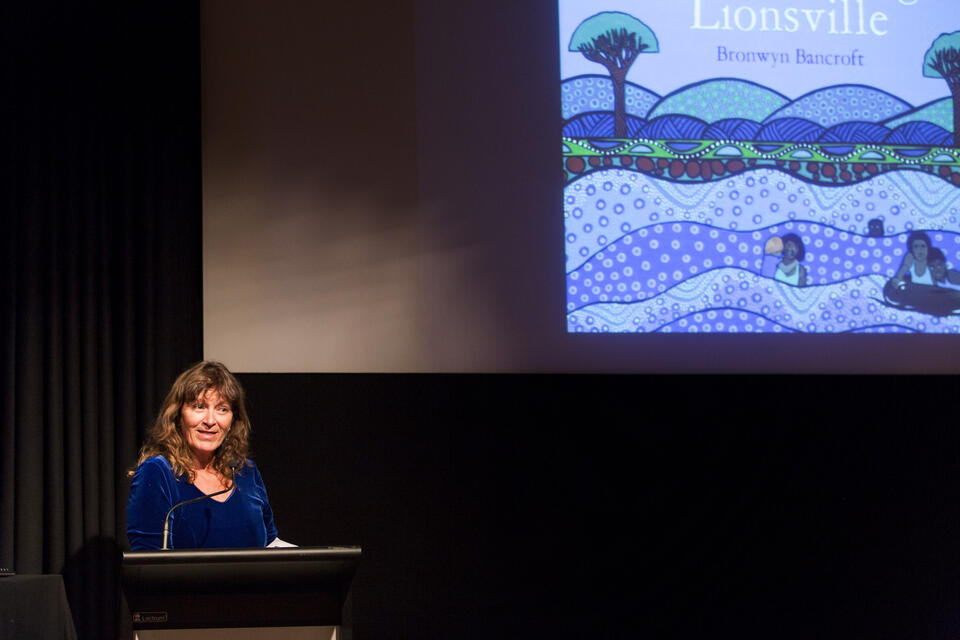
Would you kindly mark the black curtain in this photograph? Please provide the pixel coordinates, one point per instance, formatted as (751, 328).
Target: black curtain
(101, 279)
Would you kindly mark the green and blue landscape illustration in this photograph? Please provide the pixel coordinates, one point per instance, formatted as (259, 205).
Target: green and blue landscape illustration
(725, 206)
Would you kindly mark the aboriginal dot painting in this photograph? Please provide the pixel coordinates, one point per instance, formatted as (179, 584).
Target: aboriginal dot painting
(761, 167)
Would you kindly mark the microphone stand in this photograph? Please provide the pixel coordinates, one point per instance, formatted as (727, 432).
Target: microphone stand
(166, 519)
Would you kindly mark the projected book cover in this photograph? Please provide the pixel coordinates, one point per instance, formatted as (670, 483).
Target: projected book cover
(761, 167)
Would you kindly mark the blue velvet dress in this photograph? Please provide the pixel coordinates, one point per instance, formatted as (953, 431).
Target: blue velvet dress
(242, 520)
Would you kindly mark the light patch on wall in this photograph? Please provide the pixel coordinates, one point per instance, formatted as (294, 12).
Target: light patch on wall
(327, 285)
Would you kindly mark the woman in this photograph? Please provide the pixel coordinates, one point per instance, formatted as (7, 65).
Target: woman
(789, 270)
(914, 262)
(198, 446)
(942, 276)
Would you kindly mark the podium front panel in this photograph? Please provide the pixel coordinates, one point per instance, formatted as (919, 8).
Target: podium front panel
(231, 588)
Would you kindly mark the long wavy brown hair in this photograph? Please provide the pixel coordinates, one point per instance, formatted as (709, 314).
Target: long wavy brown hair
(165, 438)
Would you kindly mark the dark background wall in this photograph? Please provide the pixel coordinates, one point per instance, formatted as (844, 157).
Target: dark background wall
(624, 506)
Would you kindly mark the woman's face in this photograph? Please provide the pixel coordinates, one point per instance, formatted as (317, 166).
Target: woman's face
(205, 422)
(789, 251)
(919, 250)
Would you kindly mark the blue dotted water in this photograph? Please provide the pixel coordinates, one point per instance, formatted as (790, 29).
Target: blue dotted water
(651, 255)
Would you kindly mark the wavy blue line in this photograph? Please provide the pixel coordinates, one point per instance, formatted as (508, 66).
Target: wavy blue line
(725, 308)
(905, 328)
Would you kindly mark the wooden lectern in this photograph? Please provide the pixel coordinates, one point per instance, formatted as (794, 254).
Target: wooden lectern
(284, 593)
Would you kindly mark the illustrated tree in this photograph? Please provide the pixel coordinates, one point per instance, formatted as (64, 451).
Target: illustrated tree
(614, 39)
(942, 60)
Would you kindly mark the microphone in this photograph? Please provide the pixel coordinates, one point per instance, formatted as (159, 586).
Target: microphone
(166, 520)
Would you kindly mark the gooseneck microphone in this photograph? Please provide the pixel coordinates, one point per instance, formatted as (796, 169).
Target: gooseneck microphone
(166, 520)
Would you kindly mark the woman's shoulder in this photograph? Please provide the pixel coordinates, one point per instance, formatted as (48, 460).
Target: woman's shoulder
(249, 473)
(157, 461)
(249, 467)
(155, 465)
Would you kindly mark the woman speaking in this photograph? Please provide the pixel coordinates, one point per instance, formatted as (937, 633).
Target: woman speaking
(196, 449)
